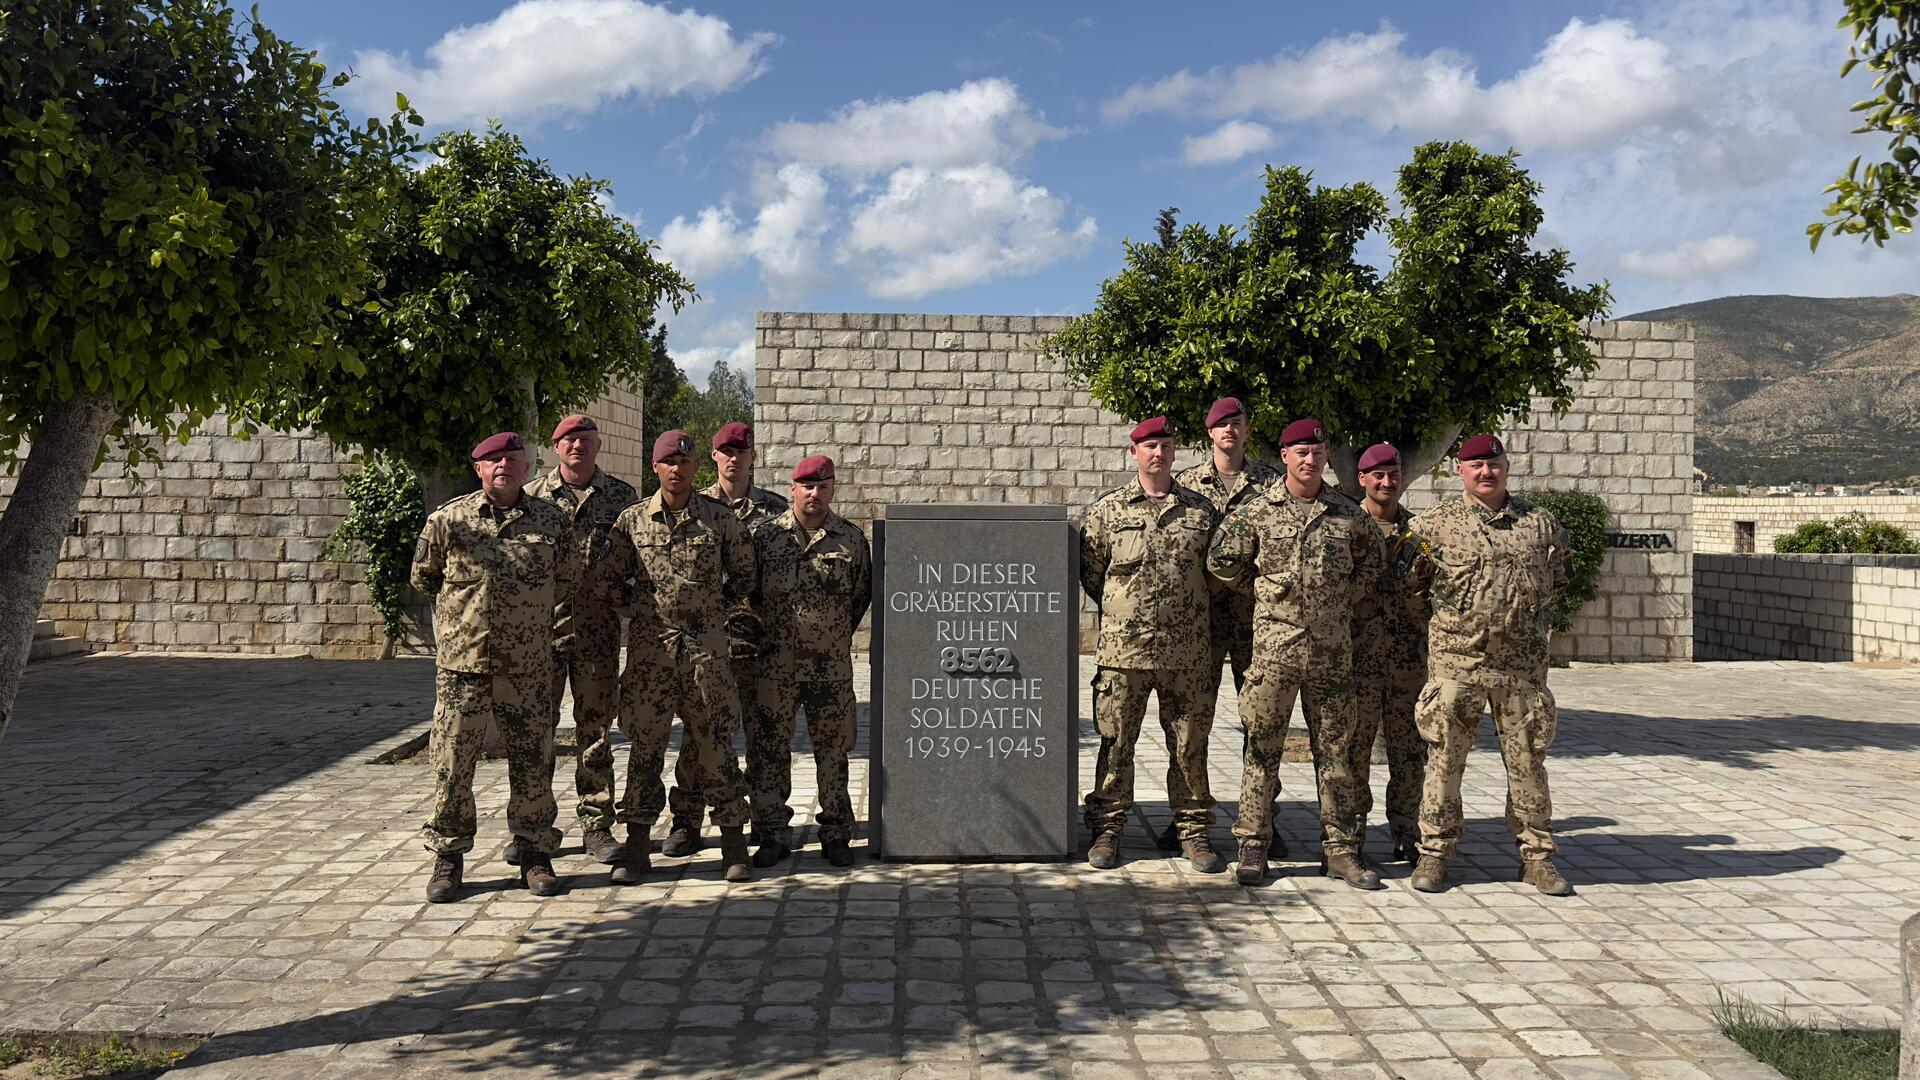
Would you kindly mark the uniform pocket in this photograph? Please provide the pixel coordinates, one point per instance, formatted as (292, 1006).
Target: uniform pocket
(1543, 719)
(1129, 548)
(1428, 714)
(833, 571)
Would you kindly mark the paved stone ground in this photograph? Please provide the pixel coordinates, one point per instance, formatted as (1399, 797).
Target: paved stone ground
(195, 845)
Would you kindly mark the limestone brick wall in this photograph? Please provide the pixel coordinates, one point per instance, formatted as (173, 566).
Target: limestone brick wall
(220, 547)
(1807, 607)
(958, 408)
(1718, 520)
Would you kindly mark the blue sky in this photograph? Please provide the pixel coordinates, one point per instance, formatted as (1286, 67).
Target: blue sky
(990, 157)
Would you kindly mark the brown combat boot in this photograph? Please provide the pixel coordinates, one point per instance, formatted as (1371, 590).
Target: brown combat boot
(1541, 874)
(734, 864)
(770, 853)
(683, 839)
(536, 873)
(1352, 870)
(634, 862)
(600, 846)
(1253, 863)
(838, 852)
(1430, 875)
(444, 886)
(1104, 852)
(1199, 852)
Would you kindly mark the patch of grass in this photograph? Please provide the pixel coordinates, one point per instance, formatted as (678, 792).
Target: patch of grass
(11, 1053)
(102, 1059)
(1801, 1052)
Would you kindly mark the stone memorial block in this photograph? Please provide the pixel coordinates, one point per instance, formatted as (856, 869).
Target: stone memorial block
(975, 705)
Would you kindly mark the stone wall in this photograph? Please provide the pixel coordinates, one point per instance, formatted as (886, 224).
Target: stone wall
(1806, 607)
(958, 408)
(1719, 522)
(221, 546)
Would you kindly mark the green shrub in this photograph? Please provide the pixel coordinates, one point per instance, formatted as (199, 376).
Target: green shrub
(384, 516)
(1849, 534)
(1584, 516)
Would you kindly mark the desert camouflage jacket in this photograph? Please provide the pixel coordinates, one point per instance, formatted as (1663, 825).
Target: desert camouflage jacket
(814, 590)
(1144, 564)
(1308, 564)
(1390, 624)
(1232, 611)
(1492, 579)
(760, 505)
(681, 577)
(592, 626)
(500, 581)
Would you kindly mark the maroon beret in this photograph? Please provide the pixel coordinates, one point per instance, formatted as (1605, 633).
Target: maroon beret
(1377, 455)
(736, 436)
(1303, 431)
(1153, 428)
(818, 467)
(505, 442)
(573, 423)
(670, 443)
(1224, 410)
(1481, 447)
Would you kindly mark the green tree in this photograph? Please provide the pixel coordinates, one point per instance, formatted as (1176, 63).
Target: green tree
(178, 209)
(509, 296)
(1877, 200)
(1467, 327)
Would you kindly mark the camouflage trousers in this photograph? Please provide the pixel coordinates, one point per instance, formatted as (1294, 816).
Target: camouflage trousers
(830, 728)
(1524, 718)
(1386, 707)
(707, 700)
(1326, 695)
(1186, 710)
(463, 704)
(683, 801)
(1241, 654)
(596, 699)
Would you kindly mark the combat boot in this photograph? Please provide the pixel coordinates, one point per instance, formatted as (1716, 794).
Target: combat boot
(1253, 863)
(839, 853)
(1540, 874)
(1169, 838)
(1104, 852)
(1405, 850)
(734, 864)
(1430, 875)
(1199, 852)
(633, 865)
(536, 873)
(444, 886)
(600, 846)
(511, 853)
(683, 839)
(1352, 870)
(770, 853)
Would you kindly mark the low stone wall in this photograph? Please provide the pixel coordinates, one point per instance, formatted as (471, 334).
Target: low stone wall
(1806, 607)
(1733, 524)
(958, 408)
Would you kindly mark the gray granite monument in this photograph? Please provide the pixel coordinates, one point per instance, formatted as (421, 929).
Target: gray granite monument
(975, 689)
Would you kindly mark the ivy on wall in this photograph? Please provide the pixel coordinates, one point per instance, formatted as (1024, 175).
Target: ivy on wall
(1584, 516)
(384, 517)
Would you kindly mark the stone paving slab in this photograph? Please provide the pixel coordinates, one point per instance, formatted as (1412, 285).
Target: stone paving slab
(201, 846)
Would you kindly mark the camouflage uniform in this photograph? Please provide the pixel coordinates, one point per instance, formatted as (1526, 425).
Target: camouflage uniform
(814, 590)
(500, 580)
(682, 576)
(1493, 578)
(589, 639)
(759, 506)
(1143, 561)
(1389, 667)
(1307, 563)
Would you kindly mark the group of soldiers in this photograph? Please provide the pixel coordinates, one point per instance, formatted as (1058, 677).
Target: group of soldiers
(1378, 621)
(740, 609)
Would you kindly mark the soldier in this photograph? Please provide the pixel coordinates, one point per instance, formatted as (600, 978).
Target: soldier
(1308, 555)
(816, 581)
(733, 457)
(500, 566)
(1228, 478)
(1498, 565)
(1142, 560)
(685, 566)
(1390, 651)
(592, 499)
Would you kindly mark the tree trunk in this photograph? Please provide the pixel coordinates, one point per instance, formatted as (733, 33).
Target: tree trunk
(51, 482)
(1344, 461)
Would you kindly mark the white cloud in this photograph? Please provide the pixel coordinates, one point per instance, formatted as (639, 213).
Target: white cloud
(1230, 141)
(1709, 257)
(978, 122)
(1589, 83)
(699, 361)
(935, 229)
(542, 56)
(784, 239)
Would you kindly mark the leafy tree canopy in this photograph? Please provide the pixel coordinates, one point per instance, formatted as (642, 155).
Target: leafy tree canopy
(1847, 534)
(1467, 326)
(672, 401)
(1876, 200)
(510, 295)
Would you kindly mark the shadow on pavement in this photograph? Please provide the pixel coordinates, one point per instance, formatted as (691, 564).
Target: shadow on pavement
(1737, 741)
